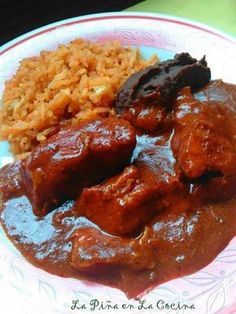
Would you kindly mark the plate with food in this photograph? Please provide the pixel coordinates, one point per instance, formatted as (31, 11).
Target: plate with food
(118, 167)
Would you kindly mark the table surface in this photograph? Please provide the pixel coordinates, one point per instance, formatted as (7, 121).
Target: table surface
(219, 14)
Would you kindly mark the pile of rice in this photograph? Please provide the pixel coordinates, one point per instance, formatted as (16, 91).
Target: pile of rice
(76, 81)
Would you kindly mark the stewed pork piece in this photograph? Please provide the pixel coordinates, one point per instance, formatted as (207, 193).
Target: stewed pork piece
(74, 158)
(204, 142)
(11, 180)
(123, 204)
(146, 97)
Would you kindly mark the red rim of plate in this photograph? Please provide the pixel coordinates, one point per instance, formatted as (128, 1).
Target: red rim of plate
(96, 17)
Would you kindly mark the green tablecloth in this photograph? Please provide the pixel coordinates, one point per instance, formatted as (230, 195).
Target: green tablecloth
(218, 13)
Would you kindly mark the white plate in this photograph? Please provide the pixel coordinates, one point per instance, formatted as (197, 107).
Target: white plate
(26, 289)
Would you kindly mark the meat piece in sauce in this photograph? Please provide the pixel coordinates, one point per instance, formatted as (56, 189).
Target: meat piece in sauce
(94, 251)
(11, 180)
(126, 202)
(204, 142)
(146, 97)
(121, 204)
(74, 158)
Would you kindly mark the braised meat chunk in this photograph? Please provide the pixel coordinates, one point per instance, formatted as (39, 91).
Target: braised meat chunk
(146, 97)
(203, 140)
(75, 158)
(148, 117)
(154, 158)
(120, 205)
(11, 180)
(204, 143)
(126, 202)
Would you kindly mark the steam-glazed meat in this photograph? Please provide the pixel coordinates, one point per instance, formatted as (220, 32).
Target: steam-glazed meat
(204, 140)
(121, 204)
(146, 97)
(95, 251)
(124, 203)
(11, 180)
(157, 163)
(74, 158)
(149, 117)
